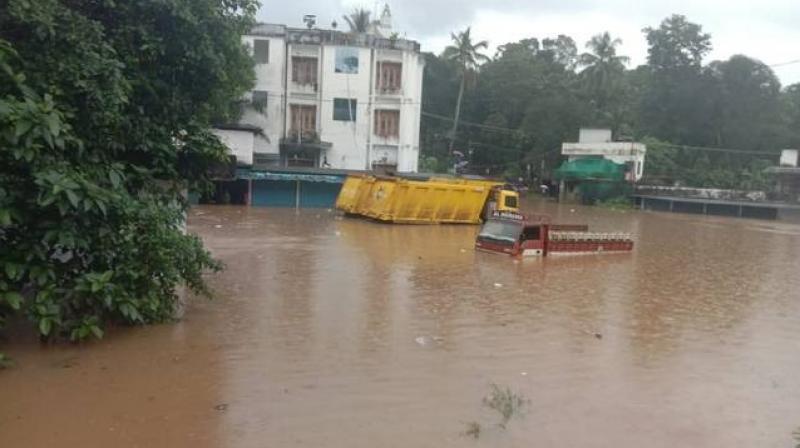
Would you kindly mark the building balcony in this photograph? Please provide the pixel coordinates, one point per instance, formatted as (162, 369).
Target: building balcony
(302, 148)
(389, 91)
(304, 87)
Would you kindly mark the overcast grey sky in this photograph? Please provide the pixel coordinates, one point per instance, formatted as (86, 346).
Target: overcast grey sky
(768, 30)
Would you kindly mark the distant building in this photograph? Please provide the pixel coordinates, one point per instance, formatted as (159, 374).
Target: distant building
(597, 143)
(787, 176)
(333, 99)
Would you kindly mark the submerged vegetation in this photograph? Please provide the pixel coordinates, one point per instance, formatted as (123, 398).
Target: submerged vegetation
(505, 402)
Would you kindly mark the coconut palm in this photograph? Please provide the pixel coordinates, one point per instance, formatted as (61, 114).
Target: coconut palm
(603, 68)
(359, 20)
(468, 56)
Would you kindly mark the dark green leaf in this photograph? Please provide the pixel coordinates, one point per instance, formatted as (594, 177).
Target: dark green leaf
(45, 325)
(73, 198)
(13, 299)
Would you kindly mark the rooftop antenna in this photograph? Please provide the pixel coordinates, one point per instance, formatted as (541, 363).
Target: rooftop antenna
(310, 20)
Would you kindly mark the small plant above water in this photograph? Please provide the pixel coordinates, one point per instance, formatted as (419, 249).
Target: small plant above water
(506, 402)
(473, 430)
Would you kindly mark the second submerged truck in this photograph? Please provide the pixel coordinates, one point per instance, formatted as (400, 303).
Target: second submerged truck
(437, 200)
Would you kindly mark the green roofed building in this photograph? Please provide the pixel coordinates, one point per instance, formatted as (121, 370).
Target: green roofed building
(591, 179)
(598, 168)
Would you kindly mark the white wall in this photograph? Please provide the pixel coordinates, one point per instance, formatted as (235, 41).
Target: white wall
(789, 157)
(349, 139)
(240, 144)
(269, 78)
(590, 135)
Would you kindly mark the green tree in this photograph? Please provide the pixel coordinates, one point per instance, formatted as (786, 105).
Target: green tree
(105, 113)
(440, 81)
(467, 55)
(358, 20)
(748, 104)
(790, 102)
(603, 74)
(561, 50)
(676, 104)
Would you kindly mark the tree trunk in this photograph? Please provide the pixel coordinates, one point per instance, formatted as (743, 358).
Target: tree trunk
(458, 112)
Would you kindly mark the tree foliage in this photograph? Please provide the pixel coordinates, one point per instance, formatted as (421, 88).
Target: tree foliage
(105, 113)
(358, 20)
(467, 55)
(540, 91)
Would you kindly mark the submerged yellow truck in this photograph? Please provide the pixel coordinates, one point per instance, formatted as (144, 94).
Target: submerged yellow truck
(432, 201)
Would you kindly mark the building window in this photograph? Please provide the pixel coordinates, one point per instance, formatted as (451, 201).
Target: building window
(260, 98)
(344, 109)
(304, 122)
(346, 60)
(304, 71)
(389, 77)
(387, 123)
(261, 51)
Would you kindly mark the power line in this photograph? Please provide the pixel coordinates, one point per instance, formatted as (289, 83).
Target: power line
(781, 64)
(477, 125)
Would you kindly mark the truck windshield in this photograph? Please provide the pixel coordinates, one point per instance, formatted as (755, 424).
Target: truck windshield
(500, 231)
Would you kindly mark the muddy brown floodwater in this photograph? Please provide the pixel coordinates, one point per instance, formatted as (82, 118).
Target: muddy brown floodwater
(332, 332)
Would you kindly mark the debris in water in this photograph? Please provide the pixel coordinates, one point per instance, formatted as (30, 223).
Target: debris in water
(218, 226)
(421, 340)
(221, 407)
(524, 373)
(338, 233)
(572, 210)
(498, 285)
(463, 251)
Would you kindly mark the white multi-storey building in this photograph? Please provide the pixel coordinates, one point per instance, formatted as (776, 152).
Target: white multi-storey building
(326, 98)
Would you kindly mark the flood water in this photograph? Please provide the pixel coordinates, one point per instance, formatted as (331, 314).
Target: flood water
(338, 332)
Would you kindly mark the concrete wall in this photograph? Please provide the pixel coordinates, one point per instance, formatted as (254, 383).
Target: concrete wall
(789, 157)
(269, 78)
(350, 139)
(590, 135)
(240, 144)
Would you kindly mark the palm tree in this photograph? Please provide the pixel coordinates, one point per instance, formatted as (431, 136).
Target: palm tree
(468, 57)
(603, 67)
(359, 20)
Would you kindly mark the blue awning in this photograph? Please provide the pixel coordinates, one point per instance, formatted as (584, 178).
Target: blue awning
(293, 177)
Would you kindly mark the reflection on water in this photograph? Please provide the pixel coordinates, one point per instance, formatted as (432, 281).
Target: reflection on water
(347, 333)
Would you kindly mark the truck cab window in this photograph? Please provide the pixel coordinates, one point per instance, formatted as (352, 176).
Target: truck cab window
(510, 201)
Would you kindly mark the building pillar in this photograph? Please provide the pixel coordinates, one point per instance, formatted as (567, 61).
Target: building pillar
(297, 196)
(671, 205)
(740, 211)
(705, 208)
(641, 204)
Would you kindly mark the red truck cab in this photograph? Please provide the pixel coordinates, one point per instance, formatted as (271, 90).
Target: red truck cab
(513, 234)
